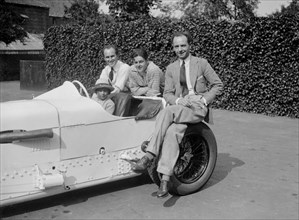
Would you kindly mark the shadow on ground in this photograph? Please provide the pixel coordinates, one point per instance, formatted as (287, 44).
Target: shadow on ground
(74, 197)
(225, 164)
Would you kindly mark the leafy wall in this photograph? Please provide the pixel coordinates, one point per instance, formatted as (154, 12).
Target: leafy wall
(257, 61)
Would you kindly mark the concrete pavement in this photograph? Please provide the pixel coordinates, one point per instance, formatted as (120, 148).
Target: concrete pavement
(11, 91)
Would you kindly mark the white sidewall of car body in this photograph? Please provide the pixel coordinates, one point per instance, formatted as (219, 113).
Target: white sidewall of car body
(27, 115)
(85, 148)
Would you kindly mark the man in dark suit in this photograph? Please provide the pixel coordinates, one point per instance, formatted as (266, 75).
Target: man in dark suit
(186, 92)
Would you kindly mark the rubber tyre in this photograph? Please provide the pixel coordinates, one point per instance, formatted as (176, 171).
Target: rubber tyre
(195, 164)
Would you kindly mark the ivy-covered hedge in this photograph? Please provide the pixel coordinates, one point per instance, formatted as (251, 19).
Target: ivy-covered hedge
(257, 61)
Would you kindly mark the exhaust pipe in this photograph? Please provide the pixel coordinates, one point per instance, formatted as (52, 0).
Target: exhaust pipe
(19, 135)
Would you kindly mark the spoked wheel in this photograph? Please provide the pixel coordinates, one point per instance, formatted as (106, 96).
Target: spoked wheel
(196, 161)
(82, 90)
(193, 159)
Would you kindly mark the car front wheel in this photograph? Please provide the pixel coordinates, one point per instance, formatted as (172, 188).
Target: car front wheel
(196, 161)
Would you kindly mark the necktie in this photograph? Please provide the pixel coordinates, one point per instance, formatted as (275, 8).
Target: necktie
(183, 79)
(111, 75)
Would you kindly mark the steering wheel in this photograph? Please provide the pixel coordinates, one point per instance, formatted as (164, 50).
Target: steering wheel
(82, 89)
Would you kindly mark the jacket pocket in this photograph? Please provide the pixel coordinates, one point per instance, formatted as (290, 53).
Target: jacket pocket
(201, 86)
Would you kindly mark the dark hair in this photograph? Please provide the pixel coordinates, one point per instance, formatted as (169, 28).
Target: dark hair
(183, 33)
(140, 52)
(108, 46)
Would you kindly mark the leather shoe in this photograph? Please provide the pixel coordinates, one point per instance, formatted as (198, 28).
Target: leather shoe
(144, 146)
(141, 165)
(163, 189)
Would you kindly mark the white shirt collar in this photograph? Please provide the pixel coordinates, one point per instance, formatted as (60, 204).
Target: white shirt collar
(116, 66)
(187, 60)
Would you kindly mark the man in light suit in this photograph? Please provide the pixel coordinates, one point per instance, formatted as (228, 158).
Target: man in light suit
(186, 90)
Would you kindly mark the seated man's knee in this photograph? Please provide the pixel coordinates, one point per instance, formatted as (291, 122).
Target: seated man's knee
(171, 109)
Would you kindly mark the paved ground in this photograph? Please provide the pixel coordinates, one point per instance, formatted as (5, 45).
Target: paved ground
(256, 177)
(11, 91)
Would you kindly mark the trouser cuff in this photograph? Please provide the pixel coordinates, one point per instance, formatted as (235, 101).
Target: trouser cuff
(165, 171)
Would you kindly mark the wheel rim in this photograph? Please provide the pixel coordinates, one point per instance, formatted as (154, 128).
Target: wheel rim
(193, 159)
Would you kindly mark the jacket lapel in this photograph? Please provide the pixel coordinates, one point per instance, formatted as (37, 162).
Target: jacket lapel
(193, 73)
(177, 73)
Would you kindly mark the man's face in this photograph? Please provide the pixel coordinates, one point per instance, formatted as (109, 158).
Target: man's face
(181, 47)
(103, 93)
(110, 57)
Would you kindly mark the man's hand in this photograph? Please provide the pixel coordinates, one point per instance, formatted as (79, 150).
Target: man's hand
(152, 92)
(184, 102)
(201, 104)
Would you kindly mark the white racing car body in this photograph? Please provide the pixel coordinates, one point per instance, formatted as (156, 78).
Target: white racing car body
(61, 141)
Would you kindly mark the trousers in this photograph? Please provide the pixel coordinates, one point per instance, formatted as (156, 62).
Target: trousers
(122, 103)
(171, 124)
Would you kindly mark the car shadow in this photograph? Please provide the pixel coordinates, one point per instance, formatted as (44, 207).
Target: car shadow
(74, 197)
(225, 164)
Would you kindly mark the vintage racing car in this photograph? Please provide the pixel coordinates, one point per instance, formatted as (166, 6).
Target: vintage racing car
(62, 140)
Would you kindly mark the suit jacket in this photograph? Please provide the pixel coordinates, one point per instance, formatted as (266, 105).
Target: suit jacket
(201, 75)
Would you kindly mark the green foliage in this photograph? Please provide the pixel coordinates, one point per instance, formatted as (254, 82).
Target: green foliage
(291, 9)
(257, 61)
(85, 12)
(216, 9)
(243, 9)
(10, 23)
(128, 10)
